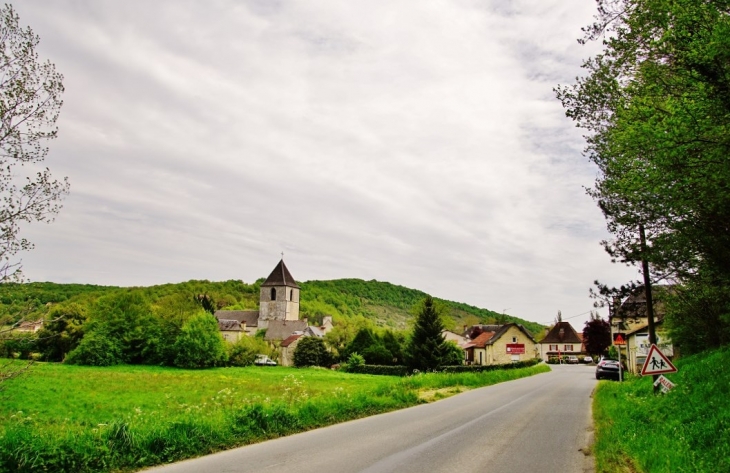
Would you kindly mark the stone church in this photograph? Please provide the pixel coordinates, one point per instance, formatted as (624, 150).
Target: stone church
(278, 311)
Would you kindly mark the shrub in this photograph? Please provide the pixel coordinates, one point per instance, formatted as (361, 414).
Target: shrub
(244, 351)
(377, 355)
(200, 344)
(354, 362)
(311, 351)
(96, 349)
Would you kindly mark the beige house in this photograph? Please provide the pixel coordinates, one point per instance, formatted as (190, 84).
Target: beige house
(31, 326)
(231, 330)
(504, 344)
(637, 345)
(630, 316)
(450, 336)
(286, 350)
(561, 340)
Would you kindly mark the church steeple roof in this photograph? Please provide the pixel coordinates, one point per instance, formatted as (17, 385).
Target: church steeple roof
(280, 276)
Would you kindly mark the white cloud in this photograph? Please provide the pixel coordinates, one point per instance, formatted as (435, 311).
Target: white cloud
(416, 143)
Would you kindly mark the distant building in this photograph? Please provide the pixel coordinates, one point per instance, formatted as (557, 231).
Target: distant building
(278, 314)
(561, 340)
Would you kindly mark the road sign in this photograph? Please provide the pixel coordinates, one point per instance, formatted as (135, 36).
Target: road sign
(664, 383)
(515, 348)
(657, 363)
(619, 339)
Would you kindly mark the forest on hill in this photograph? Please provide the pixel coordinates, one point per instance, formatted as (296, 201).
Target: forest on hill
(372, 302)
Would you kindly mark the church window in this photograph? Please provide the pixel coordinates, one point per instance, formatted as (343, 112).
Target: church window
(291, 294)
(273, 293)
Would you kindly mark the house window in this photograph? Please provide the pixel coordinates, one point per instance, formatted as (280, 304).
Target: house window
(273, 293)
(568, 348)
(514, 339)
(553, 348)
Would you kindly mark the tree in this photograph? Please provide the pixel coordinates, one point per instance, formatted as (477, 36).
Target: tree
(126, 318)
(311, 351)
(62, 332)
(200, 344)
(30, 102)
(426, 348)
(596, 336)
(656, 105)
(244, 351)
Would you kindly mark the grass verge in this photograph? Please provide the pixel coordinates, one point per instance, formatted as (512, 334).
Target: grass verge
(685, 430)
(83, 419)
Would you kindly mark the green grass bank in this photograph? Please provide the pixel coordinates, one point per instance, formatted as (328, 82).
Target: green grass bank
(86, 419)
(685, 430)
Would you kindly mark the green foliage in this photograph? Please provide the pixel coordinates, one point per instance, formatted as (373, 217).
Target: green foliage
(18, 345)
(687, 429)
(426, 350)
(453, 355)
(96, 349)
(656, 105)
(244, 351)
(311, 351)
(62, 331)
(126, 318)
(380, 370)
(200, 344)
(698, 314)
(354, 362)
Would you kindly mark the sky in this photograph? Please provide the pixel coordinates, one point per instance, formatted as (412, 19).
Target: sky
(414, 142)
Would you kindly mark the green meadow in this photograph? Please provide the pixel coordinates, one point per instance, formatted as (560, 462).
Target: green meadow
(74, 418)
(685, 430)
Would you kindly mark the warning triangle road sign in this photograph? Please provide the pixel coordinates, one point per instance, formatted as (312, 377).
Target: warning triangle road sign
(657, 363)
(618, 339)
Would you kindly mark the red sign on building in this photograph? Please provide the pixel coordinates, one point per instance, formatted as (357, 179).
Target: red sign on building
(515, 348)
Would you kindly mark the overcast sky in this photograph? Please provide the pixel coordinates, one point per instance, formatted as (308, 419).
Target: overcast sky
(414, 142)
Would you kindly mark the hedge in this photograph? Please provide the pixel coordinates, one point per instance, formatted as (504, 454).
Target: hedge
(404, 371)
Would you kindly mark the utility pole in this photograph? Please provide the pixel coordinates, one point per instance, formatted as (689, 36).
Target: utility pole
(647, 289)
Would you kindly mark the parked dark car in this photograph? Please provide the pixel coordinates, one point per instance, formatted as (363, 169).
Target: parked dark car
(608, 369)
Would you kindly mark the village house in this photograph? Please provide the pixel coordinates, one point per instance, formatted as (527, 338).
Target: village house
(630, 318)
(499, 344)
(561, 340)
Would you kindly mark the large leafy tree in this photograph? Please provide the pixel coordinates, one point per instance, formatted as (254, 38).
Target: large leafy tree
(30, 101)
(200, 344)
(427, 350)
(311, 351)
(656, 107)
(596, 336)
(125, 318)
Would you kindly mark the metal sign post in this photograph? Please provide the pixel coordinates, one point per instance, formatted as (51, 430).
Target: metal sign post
(619, 340)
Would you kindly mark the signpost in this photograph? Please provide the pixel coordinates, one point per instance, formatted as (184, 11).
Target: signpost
(618, 339)
(657, 363)
(515, 348)
(664, 383)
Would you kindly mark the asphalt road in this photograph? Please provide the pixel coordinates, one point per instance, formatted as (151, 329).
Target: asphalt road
(533, 424)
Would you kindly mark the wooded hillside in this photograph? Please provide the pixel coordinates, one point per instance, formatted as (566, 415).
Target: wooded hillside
(385, 304)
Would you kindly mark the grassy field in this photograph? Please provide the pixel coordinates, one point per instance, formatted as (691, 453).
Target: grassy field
(73, 418)
(685, 430)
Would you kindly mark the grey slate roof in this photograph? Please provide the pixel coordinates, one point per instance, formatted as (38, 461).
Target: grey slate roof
(280, 276)
(229, 325)
(281, 329)
(250, 317)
